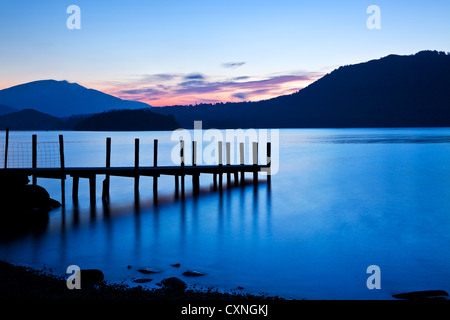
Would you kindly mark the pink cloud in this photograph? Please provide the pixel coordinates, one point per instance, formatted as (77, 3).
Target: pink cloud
(171, 89)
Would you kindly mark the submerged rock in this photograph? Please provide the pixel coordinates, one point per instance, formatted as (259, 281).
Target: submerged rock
(190, 273)
(141, 280)
(418, 295)
(91, 276)
(149, 270)
(174, 284)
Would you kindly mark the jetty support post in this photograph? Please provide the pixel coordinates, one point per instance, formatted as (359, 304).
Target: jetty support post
(34, 156)
(255, 163)
(106, 182)
(136, 167)
(177, 187)
(195, 176)
(236, 176)
(92, 185)
(75, 183)
(63, 174)
(6, 147)
(220, 166)
(155, 177)
(269, 164)
(215, 181)
(228, 159)
(182, 167)
(242, 161)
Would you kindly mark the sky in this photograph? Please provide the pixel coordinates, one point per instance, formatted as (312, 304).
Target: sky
(193, 51)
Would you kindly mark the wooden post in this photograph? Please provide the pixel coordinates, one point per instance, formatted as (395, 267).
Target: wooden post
(106, 183)
(136, 166)
(182, 167)
(6, 147)
(92, 183)
(220, 166)
(242, 161)
(34, 156)
(269, 163)
(215, 181)
(61, 151)
(155, 177)
(63, 175)
(176, 186)
(195, 176)
(255, 163)
(228, 149)
(155, 153)
(236, 177)
(75, 181)
(196, 183)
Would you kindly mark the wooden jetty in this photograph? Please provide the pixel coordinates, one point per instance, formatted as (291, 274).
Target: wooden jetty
(154, 171)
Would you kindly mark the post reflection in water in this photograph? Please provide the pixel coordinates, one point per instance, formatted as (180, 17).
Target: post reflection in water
(197, 232)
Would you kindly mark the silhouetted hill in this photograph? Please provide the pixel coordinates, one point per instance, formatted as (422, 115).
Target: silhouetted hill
(29, 119)
(394, 91)
(116, 120)
(61, 98)
(5, 109)
(127, 120)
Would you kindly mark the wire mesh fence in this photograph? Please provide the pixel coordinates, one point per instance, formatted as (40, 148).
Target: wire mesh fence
(20, 155)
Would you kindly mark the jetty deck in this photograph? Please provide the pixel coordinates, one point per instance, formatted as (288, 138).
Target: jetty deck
(237, 171)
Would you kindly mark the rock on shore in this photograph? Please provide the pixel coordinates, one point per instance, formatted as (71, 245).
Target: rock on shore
(23, 283)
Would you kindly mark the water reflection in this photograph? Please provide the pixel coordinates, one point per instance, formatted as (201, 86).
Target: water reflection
(382, 139)
(106, 233)
(342, 200)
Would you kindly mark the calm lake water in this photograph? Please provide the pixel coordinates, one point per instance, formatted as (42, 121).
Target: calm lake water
(342, 200)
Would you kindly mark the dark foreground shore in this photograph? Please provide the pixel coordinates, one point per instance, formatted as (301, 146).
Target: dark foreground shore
(19, 282)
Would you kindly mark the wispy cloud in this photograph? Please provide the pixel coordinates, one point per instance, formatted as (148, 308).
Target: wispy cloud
(170, 89)
(239, 95)
(233, 65)
(194, 76)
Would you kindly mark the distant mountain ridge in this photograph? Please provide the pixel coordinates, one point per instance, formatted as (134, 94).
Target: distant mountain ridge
(6, 110)
(62, 98)
(115, 120)
(394, 91)
(29, 119)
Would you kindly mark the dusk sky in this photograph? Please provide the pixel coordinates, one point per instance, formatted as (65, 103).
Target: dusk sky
(186, 52)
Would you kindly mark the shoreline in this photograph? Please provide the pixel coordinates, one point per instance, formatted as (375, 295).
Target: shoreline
(26, 283)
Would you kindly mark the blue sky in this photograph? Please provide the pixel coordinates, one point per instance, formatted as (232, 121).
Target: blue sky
(167, 52)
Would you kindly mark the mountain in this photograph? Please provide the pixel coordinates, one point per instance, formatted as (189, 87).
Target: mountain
(394, 91)
(61, 98)
(6, 110)
(29, 119)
